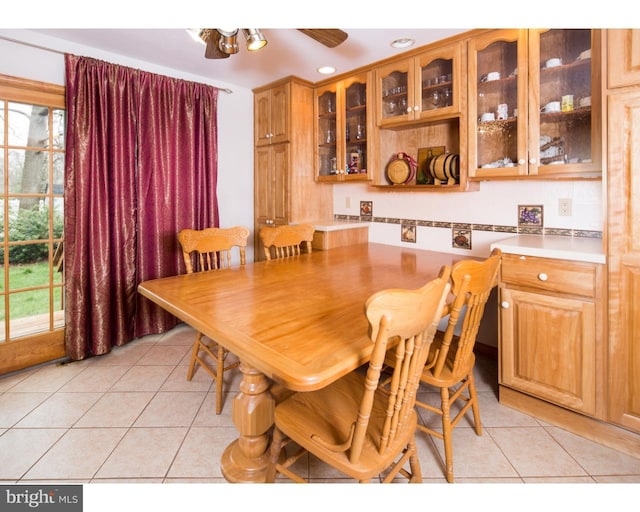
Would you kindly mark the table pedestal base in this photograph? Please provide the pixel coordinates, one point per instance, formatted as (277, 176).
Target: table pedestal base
(246, 458)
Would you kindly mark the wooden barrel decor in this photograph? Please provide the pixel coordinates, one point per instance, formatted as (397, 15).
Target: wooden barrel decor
(445, 169)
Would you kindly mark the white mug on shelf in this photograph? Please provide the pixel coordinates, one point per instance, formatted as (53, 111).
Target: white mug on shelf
(552, 106)
(585, 102)
(585, 55)
(503, 111)
(487, 117)
(553, 63)
(491, 76)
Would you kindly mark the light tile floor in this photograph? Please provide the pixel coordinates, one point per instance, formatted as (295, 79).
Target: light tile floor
(131, 416)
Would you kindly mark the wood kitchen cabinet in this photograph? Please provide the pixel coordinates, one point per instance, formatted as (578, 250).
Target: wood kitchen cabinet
(285, 191)
(623, 228)
(342, 123)
(272, 113)
(549, 337)
(534, 104)
(623, 68)
(425, 86)
(421, 104)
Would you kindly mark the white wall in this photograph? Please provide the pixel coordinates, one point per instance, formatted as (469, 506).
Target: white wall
(496, 203)
(235, 113)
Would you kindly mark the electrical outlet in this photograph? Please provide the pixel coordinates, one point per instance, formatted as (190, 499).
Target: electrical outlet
(564, 207)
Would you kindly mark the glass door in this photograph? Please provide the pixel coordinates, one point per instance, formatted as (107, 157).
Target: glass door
(356, 128)
(498, 104)
(562, 134)
(327, 126)
(32, 153)
(396, 100)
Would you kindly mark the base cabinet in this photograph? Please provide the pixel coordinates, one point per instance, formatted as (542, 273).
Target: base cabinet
(549, 343)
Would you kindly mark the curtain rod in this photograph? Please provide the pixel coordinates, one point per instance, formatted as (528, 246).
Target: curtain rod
(37, 46)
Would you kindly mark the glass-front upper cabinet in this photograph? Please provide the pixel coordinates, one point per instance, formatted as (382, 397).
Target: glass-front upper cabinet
(423, 87)
(567, 141)
(532, 104)
(326, 131)
(498, 104)
(342, 126)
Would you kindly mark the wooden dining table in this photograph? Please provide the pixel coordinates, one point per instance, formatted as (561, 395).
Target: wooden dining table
(296, 324)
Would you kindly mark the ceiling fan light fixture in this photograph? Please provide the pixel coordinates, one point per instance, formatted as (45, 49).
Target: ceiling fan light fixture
(228, 41)
(402, 42)
(199, 35)
(255, 39)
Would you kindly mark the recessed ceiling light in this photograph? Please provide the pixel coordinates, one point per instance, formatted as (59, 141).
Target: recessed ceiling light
(402, 42)
(326, 70)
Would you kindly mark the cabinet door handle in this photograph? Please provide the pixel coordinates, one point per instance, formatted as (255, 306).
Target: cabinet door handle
(522, 161)
(542, 276)
(416, 108)
(504, 304)
(532, 161)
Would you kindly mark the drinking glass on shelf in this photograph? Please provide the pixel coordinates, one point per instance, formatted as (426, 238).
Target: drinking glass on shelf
(447, 97)
(435, 98)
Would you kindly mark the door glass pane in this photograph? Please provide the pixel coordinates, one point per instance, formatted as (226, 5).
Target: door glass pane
(356, 128)
(327, 144)
(29, 125)
(565, 96)
(394, 94)
(58, 173)
(28, 172)
(59, 120)
(497, 86)
(29, 312)
(2, 107)
(28, 266)
(2, 315)
(437, 84)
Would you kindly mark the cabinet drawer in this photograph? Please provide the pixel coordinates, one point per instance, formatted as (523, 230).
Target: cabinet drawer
(569, 277)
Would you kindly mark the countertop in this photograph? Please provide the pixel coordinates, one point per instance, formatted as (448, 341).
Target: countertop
(337, 225)
(558, 247)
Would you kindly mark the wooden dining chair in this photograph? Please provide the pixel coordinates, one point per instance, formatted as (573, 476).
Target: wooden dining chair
(354, 425)
(287, 240)
(204, 250)
(451, 360)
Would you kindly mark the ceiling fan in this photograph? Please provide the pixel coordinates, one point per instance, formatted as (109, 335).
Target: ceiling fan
(224, 42)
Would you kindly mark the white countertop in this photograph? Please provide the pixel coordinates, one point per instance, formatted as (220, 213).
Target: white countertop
(337, 225)
(558, 247)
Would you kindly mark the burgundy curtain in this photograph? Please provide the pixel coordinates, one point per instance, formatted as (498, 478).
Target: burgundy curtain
(141, 164)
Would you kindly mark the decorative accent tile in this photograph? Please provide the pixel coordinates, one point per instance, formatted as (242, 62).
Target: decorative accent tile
(557, 231)
(425, 223)
(587, 234)
(390, 220)
(366, 209)
(460, 238)
(457, 225)
(482, 227)
(530, 216)
(530, 231)
(439, 224)
(408, 232)
(505, 229)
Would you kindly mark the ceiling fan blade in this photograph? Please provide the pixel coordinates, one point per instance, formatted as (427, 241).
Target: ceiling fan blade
(212, 37)
(330, 37)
